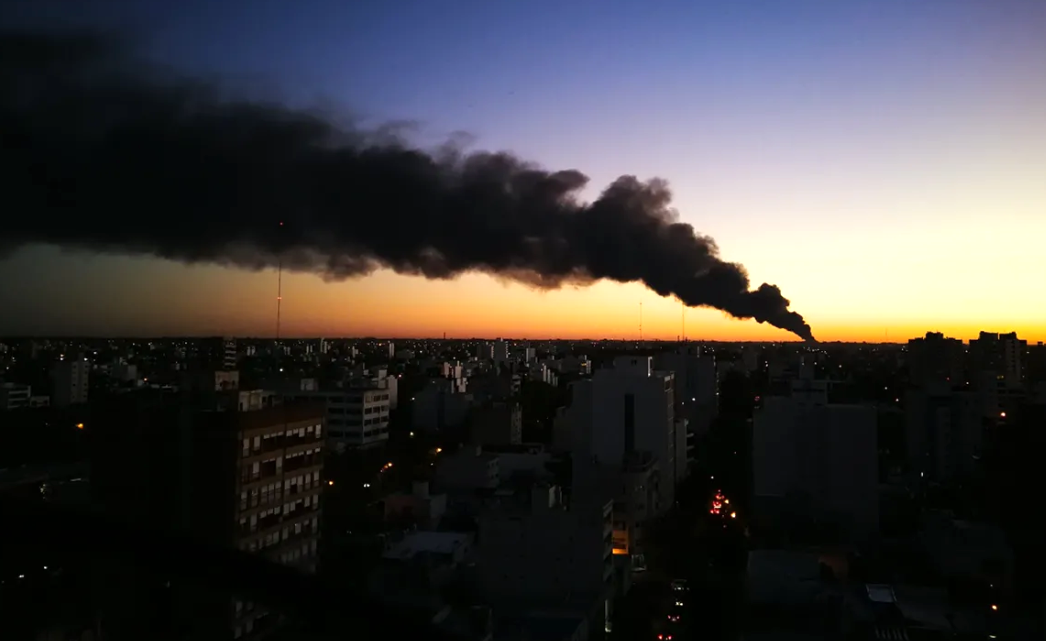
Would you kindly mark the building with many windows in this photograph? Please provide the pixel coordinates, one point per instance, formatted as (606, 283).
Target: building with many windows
(357, 417)
(236, 469)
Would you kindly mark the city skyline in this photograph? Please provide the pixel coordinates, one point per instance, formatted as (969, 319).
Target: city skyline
(891, 190)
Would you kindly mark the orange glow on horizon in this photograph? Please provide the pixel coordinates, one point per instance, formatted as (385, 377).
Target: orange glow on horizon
(156, 298)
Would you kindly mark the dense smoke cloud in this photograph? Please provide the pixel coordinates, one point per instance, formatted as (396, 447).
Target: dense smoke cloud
(103, 154)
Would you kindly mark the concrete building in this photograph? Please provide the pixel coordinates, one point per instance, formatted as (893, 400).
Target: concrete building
(1000, 354)
(14, 396)
(634, 488)
(944, 431)
(378, 378)
(622, 410)
(935, 359)
(500, 351)
(696, 386)
(71, 379)
(542, 373)
(494, 388)
(572, 364)
(470, 468)
(817, 459)
(357, 417)
(497, 423)
(442, 404)
(235, 469)
(419, 506)
(533, 548)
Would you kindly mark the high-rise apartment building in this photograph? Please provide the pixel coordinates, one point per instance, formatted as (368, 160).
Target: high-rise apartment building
(1001, 355)
(944, 431)
(357, 417)
(235, 469)
(537, 548)
(817, 458)
(935, 359)
(696, 389)
(625, 409)
(70, 379)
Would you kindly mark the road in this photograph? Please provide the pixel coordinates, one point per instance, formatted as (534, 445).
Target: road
(705, 549)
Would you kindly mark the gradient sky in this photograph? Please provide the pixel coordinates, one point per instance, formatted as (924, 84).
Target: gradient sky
(882, 161)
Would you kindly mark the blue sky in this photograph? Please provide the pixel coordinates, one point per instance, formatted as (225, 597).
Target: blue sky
(799, 134)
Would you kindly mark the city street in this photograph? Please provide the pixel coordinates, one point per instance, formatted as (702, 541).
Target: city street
(703, 546)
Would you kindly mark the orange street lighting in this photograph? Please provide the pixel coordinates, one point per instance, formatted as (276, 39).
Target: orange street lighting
(330, 482)
(79, 426)
(733, 515)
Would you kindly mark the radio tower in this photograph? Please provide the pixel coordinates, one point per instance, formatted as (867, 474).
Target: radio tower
(279, 292)
(640, 321)
(682, 322)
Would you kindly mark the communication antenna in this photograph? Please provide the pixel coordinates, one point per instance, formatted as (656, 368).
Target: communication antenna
(640, 321)
(682, 321)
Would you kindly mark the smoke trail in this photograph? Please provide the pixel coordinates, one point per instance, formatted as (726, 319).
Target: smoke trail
(101, 154)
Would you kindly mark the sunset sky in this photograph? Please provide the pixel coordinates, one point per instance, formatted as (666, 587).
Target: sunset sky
(882, 161)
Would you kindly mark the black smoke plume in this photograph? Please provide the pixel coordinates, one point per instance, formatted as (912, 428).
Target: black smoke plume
(104, 154)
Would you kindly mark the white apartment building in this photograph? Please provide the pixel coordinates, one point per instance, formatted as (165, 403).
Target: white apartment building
(357, 417)
(823, 455)
(626, 409)
(378, 378)
(70, 377)
(533, 548)
(14, 396)
(542, 373)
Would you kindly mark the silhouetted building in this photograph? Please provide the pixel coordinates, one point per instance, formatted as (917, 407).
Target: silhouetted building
(934, 359)
(237, 469)
(944, 431)
(70, 378)
(14, 396)
(1001, 355)
(497, 423)
(625, 409)
(816, 459)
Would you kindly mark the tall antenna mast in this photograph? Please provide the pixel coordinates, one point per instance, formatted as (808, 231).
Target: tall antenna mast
(279, 292)
(682, 320)
(640, 321)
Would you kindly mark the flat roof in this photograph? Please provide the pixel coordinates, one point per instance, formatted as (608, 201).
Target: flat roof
(427, 541)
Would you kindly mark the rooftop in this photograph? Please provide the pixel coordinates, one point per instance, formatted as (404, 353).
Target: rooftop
(426, 541)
